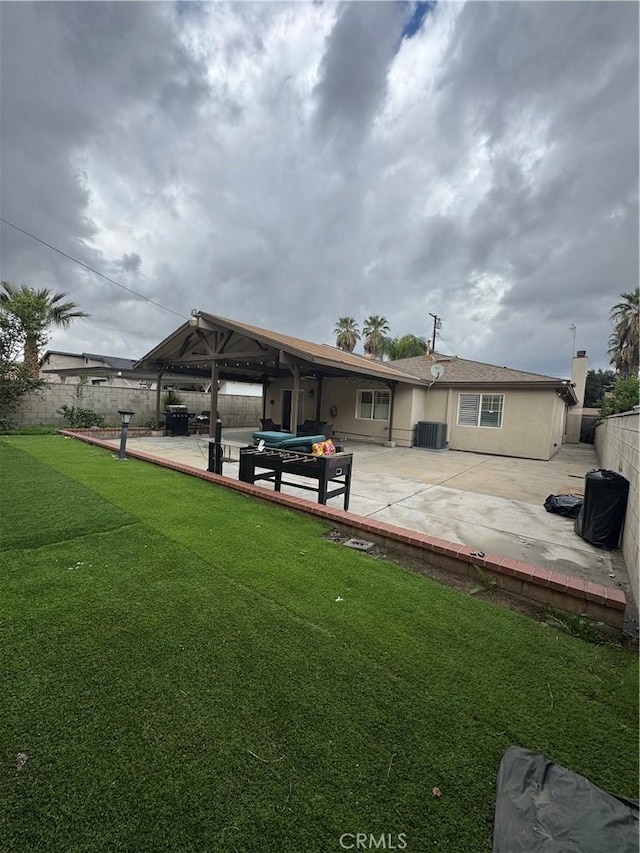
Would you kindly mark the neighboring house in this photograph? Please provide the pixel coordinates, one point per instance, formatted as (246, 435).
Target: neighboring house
(486, 409)
(71, 367)
(56, 366)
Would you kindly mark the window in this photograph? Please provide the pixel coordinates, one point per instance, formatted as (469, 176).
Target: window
(373, 405)
(483, 410)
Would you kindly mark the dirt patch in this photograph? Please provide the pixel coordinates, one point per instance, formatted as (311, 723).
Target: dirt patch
(597, 631)
(461, 583)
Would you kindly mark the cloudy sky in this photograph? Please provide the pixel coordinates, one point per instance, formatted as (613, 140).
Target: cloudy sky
(288, 163)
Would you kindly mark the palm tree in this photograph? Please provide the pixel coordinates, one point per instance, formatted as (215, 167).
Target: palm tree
(36, 310)
(375, 331)
(408, 346)
(347, 334)
(623, 343)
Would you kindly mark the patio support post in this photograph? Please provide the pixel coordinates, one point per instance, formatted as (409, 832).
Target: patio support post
(213, 403)
(265, 391)
(392, 388)
(293, 426)
(158, 393)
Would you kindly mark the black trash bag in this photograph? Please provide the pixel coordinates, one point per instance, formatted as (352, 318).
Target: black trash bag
(567, 505)
(542, 807)
(605, 503)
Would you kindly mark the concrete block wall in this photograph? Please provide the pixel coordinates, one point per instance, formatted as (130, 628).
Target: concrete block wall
(617, 440)
(235, 410)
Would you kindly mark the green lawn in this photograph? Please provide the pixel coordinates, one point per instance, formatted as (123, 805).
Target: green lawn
(181, 677)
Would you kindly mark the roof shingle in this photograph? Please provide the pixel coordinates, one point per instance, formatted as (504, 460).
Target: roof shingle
(463, 371)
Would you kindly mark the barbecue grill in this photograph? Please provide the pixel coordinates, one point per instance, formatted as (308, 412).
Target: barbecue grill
(176, 420)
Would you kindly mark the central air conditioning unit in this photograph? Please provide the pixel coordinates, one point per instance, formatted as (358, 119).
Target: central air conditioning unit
(431, 435)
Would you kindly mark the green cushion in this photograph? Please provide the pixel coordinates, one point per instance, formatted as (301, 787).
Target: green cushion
(300, 441)
(271, 437)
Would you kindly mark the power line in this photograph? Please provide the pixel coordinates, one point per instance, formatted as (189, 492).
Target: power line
(91, 269)
(455, 350)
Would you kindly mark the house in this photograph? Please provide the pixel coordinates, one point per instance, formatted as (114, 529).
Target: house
(56, 366)
(492, 409)
(71, 367)
(486, 409)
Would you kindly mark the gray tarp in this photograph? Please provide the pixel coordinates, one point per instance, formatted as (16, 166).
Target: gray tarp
(542, 807)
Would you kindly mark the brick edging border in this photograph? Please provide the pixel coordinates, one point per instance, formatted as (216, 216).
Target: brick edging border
(544, 586)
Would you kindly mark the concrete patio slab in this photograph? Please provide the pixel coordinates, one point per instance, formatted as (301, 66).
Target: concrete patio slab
(491, 504)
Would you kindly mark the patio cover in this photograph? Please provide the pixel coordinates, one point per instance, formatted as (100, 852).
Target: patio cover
(218, 348)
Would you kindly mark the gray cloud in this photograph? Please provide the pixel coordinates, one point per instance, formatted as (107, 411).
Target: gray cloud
(354, 68)
(129, 263)
(288, 164)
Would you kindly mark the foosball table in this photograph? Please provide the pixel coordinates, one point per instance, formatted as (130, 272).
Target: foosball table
(273, 464)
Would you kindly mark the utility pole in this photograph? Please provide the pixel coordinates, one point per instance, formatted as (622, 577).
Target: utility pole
(572, 328)
(437, 324)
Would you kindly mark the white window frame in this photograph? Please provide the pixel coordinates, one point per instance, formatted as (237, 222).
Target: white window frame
(374, 393)
(480, 404)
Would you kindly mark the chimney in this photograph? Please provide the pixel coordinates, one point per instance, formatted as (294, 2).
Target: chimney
(579, 370)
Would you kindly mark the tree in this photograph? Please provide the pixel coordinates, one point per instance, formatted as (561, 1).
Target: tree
(15, 377)
(375, 331)
(34, 312)
(623, 399)
(408, 346)
(624, 342)
(598, 382)
(347, 334)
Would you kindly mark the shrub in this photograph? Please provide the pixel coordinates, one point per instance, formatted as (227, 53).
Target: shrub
(623, 398)
(171, 398)
(79, 417)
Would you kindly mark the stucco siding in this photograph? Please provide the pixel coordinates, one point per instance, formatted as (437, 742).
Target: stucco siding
(436, 403)
(529, 421)
(275, 399)
(558, 424)
(403, 413)
(414, 404)
(343, 394)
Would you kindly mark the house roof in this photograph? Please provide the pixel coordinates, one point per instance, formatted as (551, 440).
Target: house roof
(112, 361)
(109, 361)
(252, 353)
(123, 367)
(463, 371)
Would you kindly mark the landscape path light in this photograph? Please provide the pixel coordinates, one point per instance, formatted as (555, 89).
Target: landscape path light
(125, 415)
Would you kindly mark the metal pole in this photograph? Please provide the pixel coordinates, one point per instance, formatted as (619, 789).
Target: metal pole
(218, 459)
(216, 450)
(123, 441)
(213, 397)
